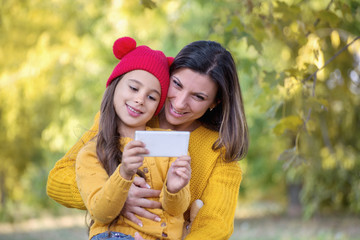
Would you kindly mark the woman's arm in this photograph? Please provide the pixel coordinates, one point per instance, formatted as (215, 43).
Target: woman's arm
(61, 183)
(215, 219)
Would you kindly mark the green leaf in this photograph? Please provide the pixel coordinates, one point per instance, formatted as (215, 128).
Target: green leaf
(148, 4)
(291, 158)
(290, 123)
(253, 42)
(329, 17)
(317, 104)
(288, 154)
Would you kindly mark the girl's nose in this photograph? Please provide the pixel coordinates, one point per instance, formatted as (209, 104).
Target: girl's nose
(139, 99)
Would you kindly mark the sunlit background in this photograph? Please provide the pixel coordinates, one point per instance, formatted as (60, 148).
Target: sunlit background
(299, 68)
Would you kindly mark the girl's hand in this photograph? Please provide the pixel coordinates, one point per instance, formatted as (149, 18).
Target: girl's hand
(179, 174)
(132, 159)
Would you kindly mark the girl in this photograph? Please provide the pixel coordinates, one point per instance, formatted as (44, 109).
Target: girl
(106, 166)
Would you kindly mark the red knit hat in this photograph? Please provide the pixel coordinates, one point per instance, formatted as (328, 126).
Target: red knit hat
(142, 58)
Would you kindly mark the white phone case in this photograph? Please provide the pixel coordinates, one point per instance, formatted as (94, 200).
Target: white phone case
(164, 143)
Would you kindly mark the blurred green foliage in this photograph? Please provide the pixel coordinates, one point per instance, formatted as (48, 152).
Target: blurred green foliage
(299, 67)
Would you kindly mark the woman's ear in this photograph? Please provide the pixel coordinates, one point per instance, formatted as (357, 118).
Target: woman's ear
(213, 105)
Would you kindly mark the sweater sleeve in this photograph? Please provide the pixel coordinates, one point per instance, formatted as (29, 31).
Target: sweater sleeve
(215, 219)
(104, 195)
(61, 182)
(175, 204)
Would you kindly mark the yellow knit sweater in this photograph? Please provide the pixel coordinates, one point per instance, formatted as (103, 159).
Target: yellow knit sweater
(105, 195)
(213, 181)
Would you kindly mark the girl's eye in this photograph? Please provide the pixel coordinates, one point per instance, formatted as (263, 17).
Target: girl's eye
(133, 88)
(152, 98)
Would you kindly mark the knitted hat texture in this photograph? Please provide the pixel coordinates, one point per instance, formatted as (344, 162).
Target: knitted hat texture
(141, 58)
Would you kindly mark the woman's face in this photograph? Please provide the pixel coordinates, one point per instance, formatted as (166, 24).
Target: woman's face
(190, 95)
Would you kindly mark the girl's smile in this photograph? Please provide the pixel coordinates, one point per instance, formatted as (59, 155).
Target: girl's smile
(133, 111)
(136, 99)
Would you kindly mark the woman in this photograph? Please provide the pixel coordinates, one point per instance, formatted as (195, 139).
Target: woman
(204, 97)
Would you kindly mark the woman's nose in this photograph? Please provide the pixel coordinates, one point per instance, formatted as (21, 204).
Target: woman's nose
(180, 101)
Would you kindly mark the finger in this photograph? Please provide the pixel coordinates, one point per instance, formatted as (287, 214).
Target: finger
(133, 218)
(186, 169)
(133, 160)
(134, 143)
(146, 203)
(140, 182)
(138, 237)
(183, 173)
(184, 158)
(180, 166)
(146, 214)
(135, 151)
(138, 197)
(181, 163)
(130, 167)
(146, 193)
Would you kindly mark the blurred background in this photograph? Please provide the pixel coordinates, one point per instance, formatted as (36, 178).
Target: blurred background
(299, 68)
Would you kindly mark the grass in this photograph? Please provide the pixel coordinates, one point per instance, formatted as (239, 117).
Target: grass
(253, 222)
(287, 228)
(263, 228)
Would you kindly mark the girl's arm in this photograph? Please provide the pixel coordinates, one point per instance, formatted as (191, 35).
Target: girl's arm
(104, 196)
(215, 219)
(175, 196)
(61, 183)
(62, 186)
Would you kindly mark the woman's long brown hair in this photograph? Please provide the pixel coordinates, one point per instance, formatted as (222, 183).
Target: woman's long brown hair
(228, 117)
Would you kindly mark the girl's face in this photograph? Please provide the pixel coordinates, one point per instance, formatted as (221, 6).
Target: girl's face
(190, 95)
(136, 98)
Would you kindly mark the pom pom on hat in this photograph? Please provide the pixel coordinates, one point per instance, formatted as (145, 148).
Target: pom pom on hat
(142, 58)
(123, 46)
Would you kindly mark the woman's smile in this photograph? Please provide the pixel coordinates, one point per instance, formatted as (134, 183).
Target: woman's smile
(190, 95)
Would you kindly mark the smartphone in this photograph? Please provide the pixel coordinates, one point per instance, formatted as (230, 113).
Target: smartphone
(164, 143)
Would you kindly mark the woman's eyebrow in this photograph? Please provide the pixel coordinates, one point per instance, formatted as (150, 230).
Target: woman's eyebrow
(200, 93)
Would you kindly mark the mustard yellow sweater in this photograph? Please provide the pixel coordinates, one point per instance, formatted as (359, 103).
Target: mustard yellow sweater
(213, 181)
(105, 195)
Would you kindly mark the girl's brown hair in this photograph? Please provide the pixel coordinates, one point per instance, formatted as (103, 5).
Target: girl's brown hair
(108, 138)
(107, 146)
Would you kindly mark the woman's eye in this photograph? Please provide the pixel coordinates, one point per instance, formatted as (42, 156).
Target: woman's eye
(177, 84)
(199, 97)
